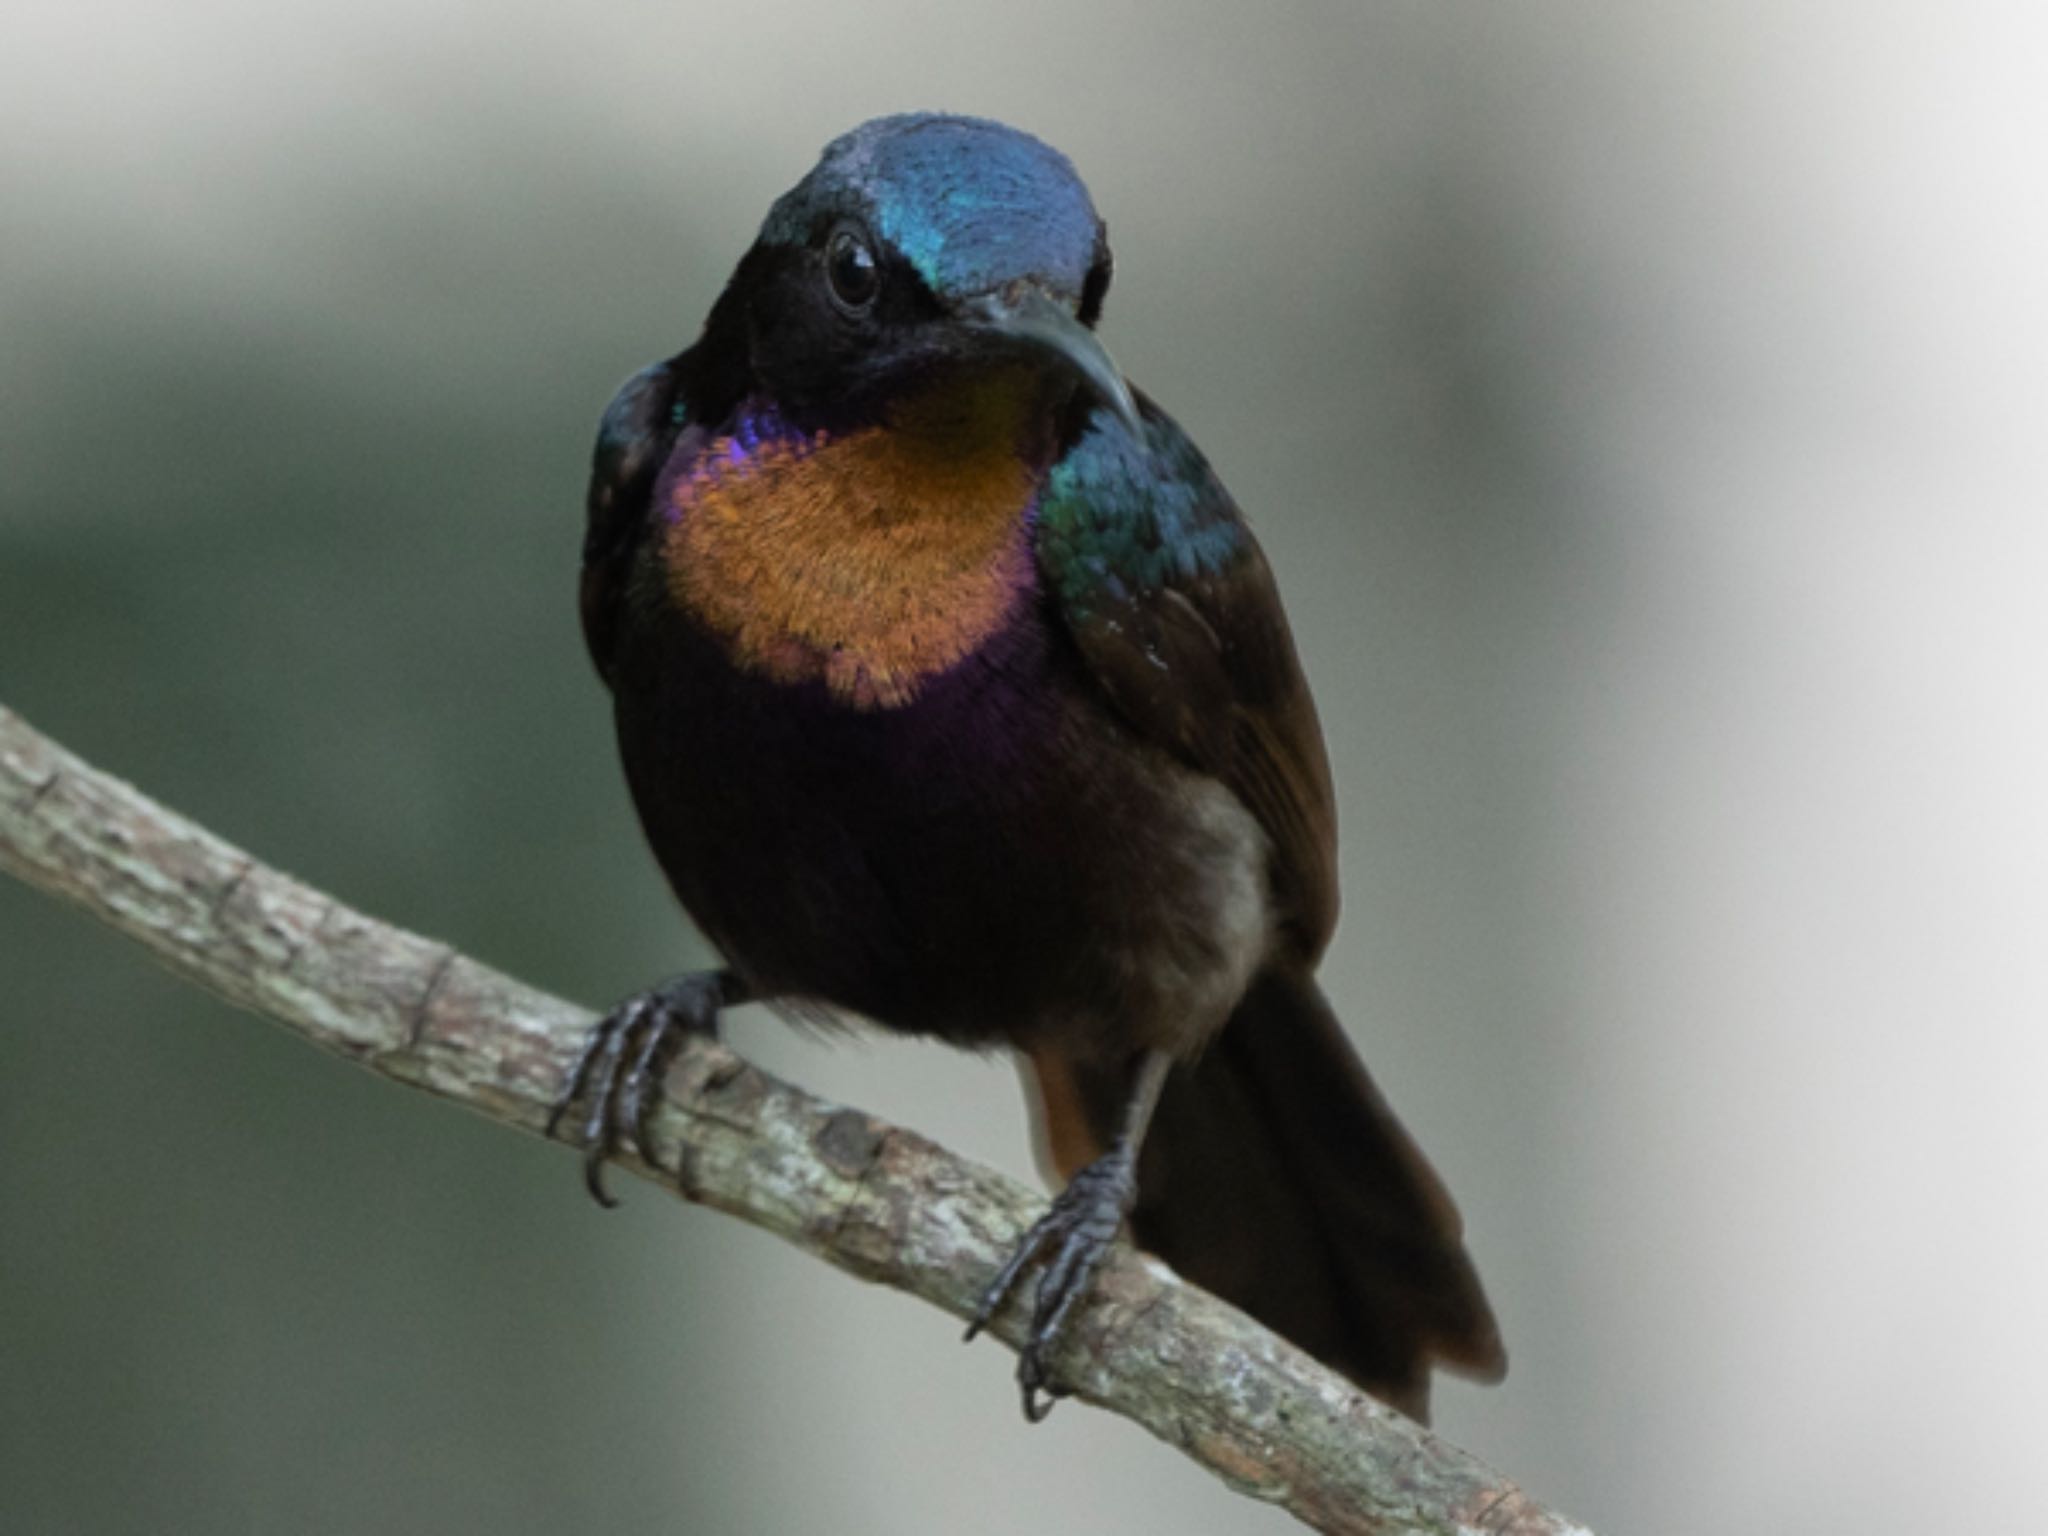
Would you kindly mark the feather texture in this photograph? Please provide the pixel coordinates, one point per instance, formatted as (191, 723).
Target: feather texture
(953, 691)
(1174, 608)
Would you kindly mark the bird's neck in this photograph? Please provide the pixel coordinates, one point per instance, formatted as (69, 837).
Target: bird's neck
(869, 560)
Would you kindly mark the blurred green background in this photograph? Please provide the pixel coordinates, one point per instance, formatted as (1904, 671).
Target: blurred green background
(1643, 412)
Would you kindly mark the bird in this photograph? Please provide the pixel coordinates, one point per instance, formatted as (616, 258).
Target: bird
(955, 695)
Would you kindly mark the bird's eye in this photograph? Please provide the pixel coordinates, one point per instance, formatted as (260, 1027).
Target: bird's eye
(851, 271)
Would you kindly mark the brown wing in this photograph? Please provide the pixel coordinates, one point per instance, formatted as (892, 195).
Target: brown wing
(633, 441)
(1175, 611)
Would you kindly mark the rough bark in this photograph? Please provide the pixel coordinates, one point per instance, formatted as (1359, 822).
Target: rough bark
(874, 1199)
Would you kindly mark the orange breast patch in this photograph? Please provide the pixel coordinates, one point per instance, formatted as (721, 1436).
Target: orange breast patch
(871, 561)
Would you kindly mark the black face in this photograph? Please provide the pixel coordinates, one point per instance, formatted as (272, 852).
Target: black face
(1096, 288)
(833, 328)
(837, 328)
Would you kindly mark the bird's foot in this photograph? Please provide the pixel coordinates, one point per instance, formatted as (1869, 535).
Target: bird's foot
(1073, 1238)
(624, 1058)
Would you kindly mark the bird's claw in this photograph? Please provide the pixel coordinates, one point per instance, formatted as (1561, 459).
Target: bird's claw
(1074, 1237)
(619, 1071)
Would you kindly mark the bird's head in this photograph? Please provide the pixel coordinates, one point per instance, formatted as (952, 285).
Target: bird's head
(920, 253)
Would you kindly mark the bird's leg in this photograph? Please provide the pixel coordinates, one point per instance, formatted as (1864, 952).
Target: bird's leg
(624, 1058)
(1073, 1238)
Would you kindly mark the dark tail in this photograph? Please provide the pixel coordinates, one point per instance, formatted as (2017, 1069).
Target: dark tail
(1275, 1176)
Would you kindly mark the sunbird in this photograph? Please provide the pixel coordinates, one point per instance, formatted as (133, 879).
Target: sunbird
(955, 694)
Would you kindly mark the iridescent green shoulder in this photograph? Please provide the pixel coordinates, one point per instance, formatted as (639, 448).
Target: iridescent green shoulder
(1119, 518)
(1173, 611)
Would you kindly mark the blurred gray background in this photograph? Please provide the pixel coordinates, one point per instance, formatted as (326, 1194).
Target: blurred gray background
(1644, 411)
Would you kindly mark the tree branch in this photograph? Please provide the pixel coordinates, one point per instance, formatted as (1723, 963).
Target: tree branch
(880, 1202)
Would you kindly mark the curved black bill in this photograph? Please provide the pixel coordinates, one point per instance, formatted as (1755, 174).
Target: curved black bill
(1034, 317)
